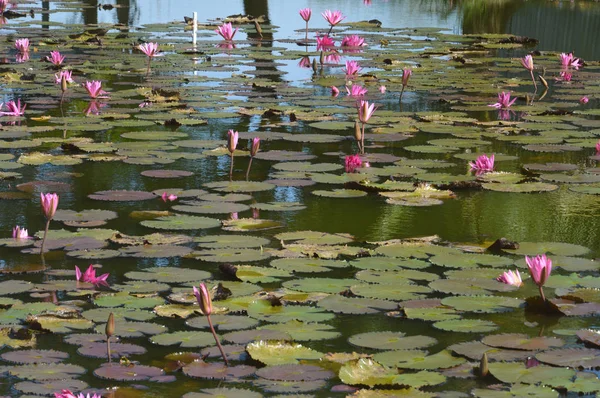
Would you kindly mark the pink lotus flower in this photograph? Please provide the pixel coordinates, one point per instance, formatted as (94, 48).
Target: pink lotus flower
(324, 42)
(511, 278)
(49, 203)
(540, 268)
(584, 100)
(94, 88)
(568, 60)
(333, 17)
(55, 58)
(63, 73)
(14, 108)
(150, 49)
(334, 91)
(406, 72)
(22, 45)
(20, 233)
(166, 197)
(527, 62)
(352, 68)
(356, 90)
(503, 101)
(255, 146)
(69, 394)
(353, 41)
(365, 111)
(304, 62)
(3, 5)
(226, 31)
(482, 164)
(382, 89)
(352, 162)
(598, 147)
(90, 276)
(203, 298)
(306, 13)
(232, 140)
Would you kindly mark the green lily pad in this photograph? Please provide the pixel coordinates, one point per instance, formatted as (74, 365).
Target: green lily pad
(230, 241)
(390, 341)
(180, 223)
(340, 193)
(264, 311)
(279, 353)
(466, 325)
(483, 304)
(184, 339)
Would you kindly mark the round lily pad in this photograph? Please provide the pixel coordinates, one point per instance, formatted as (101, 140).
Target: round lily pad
(223, 322)
(250, 224)
(466, 325)
(239, 186)
(294, 373)
(181, 223)
(340, 193)
(133, 372)
(206, 370)
(390, 341)
(517, 341)
(203, 207)
(34, 356)
(169, 275)
(122, 196)
(280, 353)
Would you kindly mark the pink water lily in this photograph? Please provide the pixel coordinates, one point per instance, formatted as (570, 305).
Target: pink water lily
(503, 101)
(304, 62)
(565, 76)
(20, 233)
(67, 74)
(527, 62)
(94, 88)
(324, 42)
(568, 60)
(406, 73)
(598, 147)
(353, 41)
(166, 197)
(335, 91)
(352, 68)
(352, 162)
(150, 49)
(14, 108)
(226, 31)
(22, 57)
(584, 100)
(3, 5)
(22, 45)
(333, 17)
(205, 303)
(90, 276)
(232, 140)
(482, 164)
(255, 146)
(540, 268)
(356, 90)
(511, 278)
(55, 58)
(365, 111)
(69, 394)
(332, 58)
(305, 13)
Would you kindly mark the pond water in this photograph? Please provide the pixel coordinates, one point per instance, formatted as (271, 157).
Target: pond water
(370, 282)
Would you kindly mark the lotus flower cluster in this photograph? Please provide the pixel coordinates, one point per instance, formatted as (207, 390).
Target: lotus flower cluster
(356, 90)
(352, 68)
(568, 60)
(20, 233)
(511, 278)
(352, 162)
(69, 394)
(226, 31)
(482, 164)
(55, 58)
(14, 108)
(504, 101)
(90, 276)
(94, 88)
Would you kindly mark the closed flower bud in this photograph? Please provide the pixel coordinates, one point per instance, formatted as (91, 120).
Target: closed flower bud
(110, 325)
(203, 298)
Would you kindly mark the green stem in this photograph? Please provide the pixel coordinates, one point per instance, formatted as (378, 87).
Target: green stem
(542, 294)
(249, 165)
(362, 140)
(148, 70)
(306, 38)
(533, 80)
(212, 329)
(231, 169)
(45, 235)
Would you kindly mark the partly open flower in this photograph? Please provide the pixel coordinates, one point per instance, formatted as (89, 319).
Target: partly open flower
(527, 62)
(324, 42)
(335, 91)
(304, 62)
(306, 13)
(352, 68)
(482, 164)
(333, 17)
(90, 276)
(20, 233)
(255, 146)
(598, 147)
(232, 140)
(356, 90)
(22, 45)
(166, 197)
(365, 111)
(382, 89)
(49, 203)
(540, 268)
(150, 49)
(94, 88)
(503, 101)
(352, 162)
(406, 72)
(226, 31)
(67, 74)
(55, 58)
(14, 108)
(511, 278)
(584, 100)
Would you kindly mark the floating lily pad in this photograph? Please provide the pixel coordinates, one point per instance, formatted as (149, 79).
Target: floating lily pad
(351, 305)
(169, 275)
(230, 255)
(521, 341)
(34, 356)
(483, 304)
(340, 193)
(466, 325)
(133, 372)
(223, 322)
(239, 186)
(223, 392)
(179, 223)
(527, 187)
(390, 341)
(280, 353)
(558, 248)
(231, 241)
(307, 264)
(264, 311)
(304, 331)
(250, 224)
(155, 251)
(206, 370)
(184, 339)
(294, 373)
(314, 238)
(573, 357)
(122, 196)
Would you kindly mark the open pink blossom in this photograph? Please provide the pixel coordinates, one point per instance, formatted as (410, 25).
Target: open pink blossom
(94, 88)
(69, 394)
(335, 91)
(503, 101)
(20, 233)
(353, 41)
(14, 108)
(584, 100)
(67, 75)
(55, 58)
(482, 164)
(324, 42)
(568, 60)
(352, 162)
(352, 68)
(22, 45)
(527, 62)
(511, 278)
(150, 49)
(306, 13)
(333, 17)
(166, 197)
(90, 276)
(356, 90)
(226, 31)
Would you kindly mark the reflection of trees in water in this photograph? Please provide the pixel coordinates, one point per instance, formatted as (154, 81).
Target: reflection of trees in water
(127, 12)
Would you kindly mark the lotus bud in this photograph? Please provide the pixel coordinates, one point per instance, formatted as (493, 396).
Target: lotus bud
(483, 365)
(232, 140)
(314, 65)
(321, 58)
(357, 132)
(203, 298)
(110, 325)
(255, 146)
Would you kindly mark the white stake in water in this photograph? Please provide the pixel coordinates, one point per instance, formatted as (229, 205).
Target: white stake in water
(194, 29)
